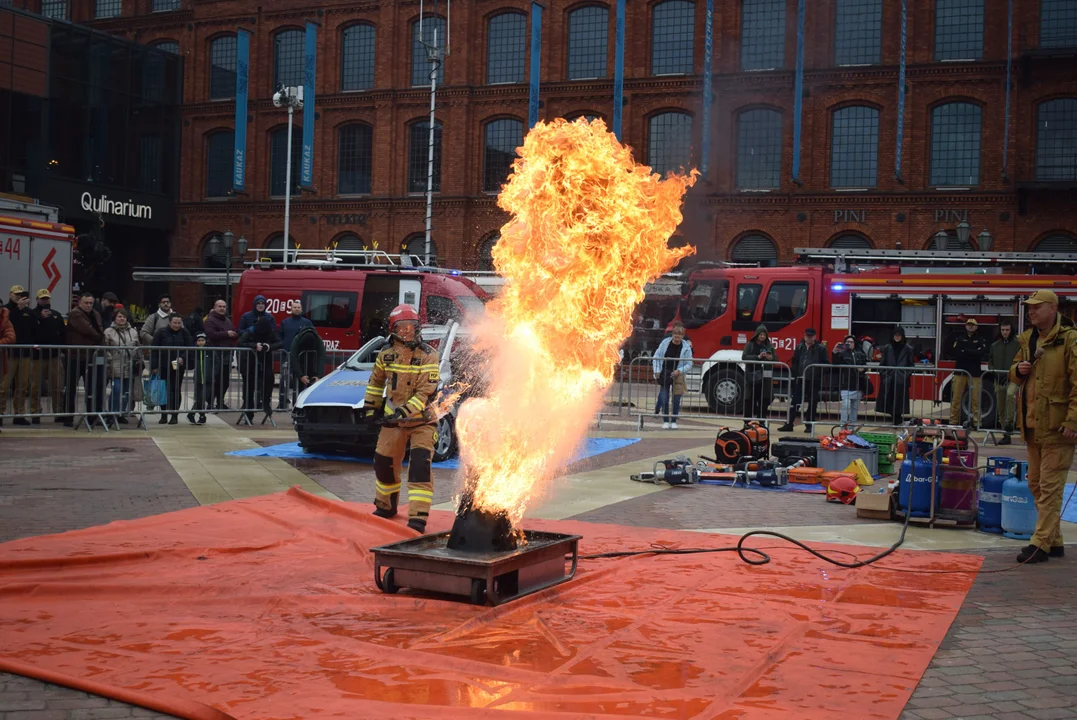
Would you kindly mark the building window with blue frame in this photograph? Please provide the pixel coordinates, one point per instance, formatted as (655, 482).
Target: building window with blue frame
(165, 5)
(1056, 140)
(56, 9)
(1058, 23)
(502, 137)
(955, 145)
(959, 29)
(759, 149)
(278, 160)
(588, 38)
(672, 36)
(433, 33)
(506, 48)
(107, 9)
(762, 34)
(669, 142)
(219, 147)
(357, 58)
(854, 148)
(418, 156)
(355, 152)
(289, 54)
(222, 68)
(858, 30)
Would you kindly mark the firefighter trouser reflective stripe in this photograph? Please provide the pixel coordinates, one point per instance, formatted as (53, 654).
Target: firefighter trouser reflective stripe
(959, 384)
(1047, 469)
(389, 458)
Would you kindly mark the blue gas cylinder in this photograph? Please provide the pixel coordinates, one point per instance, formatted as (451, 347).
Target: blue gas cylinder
(914, 481)
(989, 509)
(1018, 505)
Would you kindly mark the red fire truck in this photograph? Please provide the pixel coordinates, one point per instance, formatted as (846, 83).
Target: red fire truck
(846, 292)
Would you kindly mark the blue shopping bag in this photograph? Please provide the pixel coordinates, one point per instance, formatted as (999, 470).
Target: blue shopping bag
(155, 392)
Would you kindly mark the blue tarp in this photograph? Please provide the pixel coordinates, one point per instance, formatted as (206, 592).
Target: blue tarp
(292, 451)
(1069, 512)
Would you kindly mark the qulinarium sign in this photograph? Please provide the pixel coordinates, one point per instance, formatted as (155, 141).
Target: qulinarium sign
(123, 208)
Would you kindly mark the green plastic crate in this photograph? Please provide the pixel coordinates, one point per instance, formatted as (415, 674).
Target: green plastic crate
(880, 438)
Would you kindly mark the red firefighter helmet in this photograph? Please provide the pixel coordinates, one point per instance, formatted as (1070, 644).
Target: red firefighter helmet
(402, 313)
(842, 489)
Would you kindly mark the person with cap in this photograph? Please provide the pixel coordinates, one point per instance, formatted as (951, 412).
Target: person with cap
(19, 374)
(807, 378)
(893, 397)
(402, 388)
(48, 359)
(758, 374)
(157, 320)
(108, 308)
(969, 350)
(1045, 370)
(1003, 351)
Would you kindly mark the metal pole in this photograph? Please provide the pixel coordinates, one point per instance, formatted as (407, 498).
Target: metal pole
(432, 54)
(288, 184)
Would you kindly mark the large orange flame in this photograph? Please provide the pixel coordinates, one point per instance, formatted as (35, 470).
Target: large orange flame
(589, 229)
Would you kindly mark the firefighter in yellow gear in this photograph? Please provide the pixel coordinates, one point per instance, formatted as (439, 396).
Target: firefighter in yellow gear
(404, 385)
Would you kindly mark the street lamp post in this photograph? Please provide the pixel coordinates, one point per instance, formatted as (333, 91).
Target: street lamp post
(292, 98)
(215, 250)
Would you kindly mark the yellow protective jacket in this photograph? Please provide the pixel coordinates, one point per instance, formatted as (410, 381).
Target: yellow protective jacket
(1056, 382)
(411, 375)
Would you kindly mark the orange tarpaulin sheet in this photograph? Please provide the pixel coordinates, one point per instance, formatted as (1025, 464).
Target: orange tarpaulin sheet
(267, 608)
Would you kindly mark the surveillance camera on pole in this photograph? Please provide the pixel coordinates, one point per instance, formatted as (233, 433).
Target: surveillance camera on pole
(291, 98)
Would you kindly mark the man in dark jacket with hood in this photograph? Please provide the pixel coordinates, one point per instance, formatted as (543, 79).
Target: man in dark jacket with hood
(246, 322)
(806, 382)
(893, 397)
(758, 375)
(307, 358)
(289, 329)
(261, 341)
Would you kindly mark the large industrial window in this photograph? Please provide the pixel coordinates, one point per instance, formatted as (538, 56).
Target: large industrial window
(219, 148)
(854, 148)
(506, 48)
(355, 149)
(955, 145)
(165, 5)
(274, 250)
(1058, 23)
(1060, 243)
(418, 148)
(502, 139)
(54, 9)
(672, 34)
(415, 246)
(278, 160)
(222, 68)
(357, 58)
(851, 241)
(1056, 140)
(959, 29)
(588, 34)
(150, 163)
(669, 142)
(754, 249)
(107, 9)
(762, 34)
(858, 32)
(433, 34)
(168, 46)
(759, 149)
(289, 52)
(486, 252)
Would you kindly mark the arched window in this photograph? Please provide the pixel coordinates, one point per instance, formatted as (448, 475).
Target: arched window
(355, 152)
(278, 160)
(107, 9)
(588, 37)
(415, 246)
(762, 34)
(953, 242)
(165, 5)
(433, 32)
(959, 29)
(289, 54)
(669, 142)
(854, 147)
(211, 261)
(759, 149)
(273, 249)
(1058, 23)
(851, 241)
(506, 48)
(755, 249)
(219, 148)
(588, 116)
(1058, 243)
(955, 144)
(418, 158)
(502, 137)
(858, 32)
(168, 46)
(672, 33)
(486, 252)
(1056, 140)
(349, 242)
(357, 58)
(222, 68)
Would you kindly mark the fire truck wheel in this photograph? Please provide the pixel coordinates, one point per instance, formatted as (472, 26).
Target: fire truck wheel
(724, 388)
(446, 445)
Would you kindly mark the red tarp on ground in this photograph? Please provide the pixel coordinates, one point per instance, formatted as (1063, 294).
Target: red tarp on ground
(267, 608)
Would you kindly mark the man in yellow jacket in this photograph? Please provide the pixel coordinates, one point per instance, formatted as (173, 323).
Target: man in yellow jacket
(403, 385)
(1045, 369)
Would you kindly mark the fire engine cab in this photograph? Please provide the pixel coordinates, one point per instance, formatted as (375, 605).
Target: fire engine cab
(842, 292)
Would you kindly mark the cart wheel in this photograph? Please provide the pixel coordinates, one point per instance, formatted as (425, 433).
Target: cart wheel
(387, 582)
(478, 591)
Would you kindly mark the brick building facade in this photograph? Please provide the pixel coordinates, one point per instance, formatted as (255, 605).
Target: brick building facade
(748, 204)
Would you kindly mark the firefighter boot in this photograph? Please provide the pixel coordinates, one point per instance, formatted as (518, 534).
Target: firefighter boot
(388, 487)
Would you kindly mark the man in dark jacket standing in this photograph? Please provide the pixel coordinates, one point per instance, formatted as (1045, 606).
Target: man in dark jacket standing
(48, 363)
(249, 318)
(84, 327)
(262, 341)
(170, 359)
(1003, 352)
(307, 358)
(20, 365)
(220, 333)
(289, 329)
(108, 308)
(894, 384)
(806, 380)
(969, 350)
